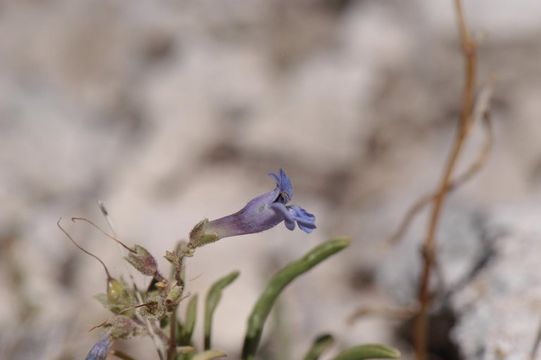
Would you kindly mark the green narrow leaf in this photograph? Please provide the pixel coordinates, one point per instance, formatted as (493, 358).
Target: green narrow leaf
(276, 285)
(185, 352)
(209, 355)
(185, 335)
(320, 345)
(213, 298)
(368, 351)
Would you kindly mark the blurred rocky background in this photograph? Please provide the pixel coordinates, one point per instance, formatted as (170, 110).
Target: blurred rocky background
(173, 111)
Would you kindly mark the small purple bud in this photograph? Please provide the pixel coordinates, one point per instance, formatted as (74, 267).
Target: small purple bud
(100, 350)
(261, 213)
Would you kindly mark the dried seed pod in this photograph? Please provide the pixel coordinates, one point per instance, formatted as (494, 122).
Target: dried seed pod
(142, 261)
(174, 296)
(122, 327)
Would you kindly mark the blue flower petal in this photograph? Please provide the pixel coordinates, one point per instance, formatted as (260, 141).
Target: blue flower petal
(259, 214)
(282, 210)
(285, 213)
(304, 219)
(290, 225)
(283, 184)
(307, 229)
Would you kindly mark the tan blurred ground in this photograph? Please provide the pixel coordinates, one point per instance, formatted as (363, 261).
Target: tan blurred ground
(172, 111)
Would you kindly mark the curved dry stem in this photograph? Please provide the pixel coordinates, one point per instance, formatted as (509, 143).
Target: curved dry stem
(109, 277)
(74, 219)
(103, 323)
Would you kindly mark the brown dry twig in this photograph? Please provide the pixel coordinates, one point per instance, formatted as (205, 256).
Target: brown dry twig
(482, 112)
(428, 250)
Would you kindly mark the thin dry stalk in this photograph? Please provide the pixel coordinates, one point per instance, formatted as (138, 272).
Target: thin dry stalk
(482, 113)
(428, 249)
(109, 277)
(91, 223)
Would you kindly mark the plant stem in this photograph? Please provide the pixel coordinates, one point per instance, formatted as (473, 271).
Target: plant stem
(464, 126)
(172, 349)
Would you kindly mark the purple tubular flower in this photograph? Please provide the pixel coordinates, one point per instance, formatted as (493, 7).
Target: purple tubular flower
(100, 350)
(262, 213)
